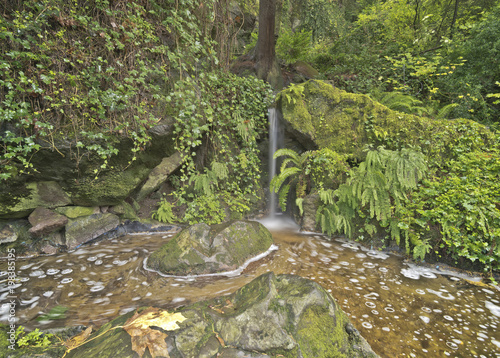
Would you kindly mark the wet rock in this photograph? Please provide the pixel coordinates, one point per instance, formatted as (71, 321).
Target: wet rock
(7, 234)
(47, 194)
(45, 221)
(83, 229)
(124, 210)
(310, 206)
(283, 315)
(203, 249)
(159, 175)
(74, 212)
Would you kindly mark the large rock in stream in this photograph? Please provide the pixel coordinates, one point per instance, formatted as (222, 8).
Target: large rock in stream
(203, 249)
(284, 315)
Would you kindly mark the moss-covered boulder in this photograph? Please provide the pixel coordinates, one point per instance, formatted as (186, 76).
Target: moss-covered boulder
(204, 249)
(30, 196)
(319, 115)
(279, 316)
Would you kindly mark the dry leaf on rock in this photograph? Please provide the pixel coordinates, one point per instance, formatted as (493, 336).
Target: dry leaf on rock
(78, 340)
(138, 327)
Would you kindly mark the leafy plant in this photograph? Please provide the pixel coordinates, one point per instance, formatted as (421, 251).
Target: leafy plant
(220, 116)
(463, 206)
(293, 46)
(295, 174)
(34, 338)
(164, 212)
(376, 190)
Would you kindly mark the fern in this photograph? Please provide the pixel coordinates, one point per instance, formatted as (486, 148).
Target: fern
(292, 171)
(444, 112)
(401, 102)
(220, 170)
(375, 189)
(164, 213)
(300, 204)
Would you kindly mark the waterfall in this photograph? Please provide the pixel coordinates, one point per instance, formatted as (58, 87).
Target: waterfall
(274, 138)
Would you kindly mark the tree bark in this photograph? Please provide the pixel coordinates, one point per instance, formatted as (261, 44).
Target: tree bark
(265, 49)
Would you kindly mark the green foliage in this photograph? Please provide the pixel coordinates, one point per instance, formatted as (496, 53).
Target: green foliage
(90, 73)
(57, 312)
(219, 118)
(295, 175)
(401, 102)
(164, 212)
(293, 46)
(317, 170)
(326, 168)
(463, 206)
(376, 190)
(32, 339)
(205, 208)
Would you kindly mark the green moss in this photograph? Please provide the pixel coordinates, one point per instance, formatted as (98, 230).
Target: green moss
(344, 122)
(74, 212)
(320, 335)
(109, 189)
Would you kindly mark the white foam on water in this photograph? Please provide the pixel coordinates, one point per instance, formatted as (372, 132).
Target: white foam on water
(494, 309)
(232, 273)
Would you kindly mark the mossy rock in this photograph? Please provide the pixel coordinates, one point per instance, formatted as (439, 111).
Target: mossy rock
(86, 228)
(48, 194)
(204, 249)
(109, 189)
(320, 115)
(282, 315)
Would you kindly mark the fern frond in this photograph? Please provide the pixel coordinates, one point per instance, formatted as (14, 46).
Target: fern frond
(299, 202)
(221, 170)
(288, 152)
(446, 110)
(279, 179)
(283, 196)
(327, 196)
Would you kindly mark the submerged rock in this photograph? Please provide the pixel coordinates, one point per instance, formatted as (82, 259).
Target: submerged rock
(204, 249)
(283, 315)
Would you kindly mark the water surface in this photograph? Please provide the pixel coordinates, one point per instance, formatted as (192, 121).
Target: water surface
(401, 309)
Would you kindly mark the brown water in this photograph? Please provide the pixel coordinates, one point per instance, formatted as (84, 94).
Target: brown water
(402, 310)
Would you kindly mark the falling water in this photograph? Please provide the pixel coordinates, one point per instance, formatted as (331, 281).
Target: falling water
(274, 137)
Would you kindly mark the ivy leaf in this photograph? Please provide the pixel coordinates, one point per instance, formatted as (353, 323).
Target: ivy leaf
(143, 336)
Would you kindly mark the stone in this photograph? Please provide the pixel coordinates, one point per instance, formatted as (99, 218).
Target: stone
(84, 229)
(46, 194)
(7, 234)
(45, 221)
(124, 210)
(73, 212)
(109, 189)
(318, 115)
(159, 175)
(279, 316)
(48, 249)
(310, 206)
(204, 249)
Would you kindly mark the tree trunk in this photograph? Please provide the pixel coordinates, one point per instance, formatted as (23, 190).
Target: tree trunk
(265, 49)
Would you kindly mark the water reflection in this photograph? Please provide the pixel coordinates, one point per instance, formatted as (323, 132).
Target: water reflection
(402, 309)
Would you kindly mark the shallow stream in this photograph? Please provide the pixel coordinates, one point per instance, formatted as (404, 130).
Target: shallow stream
(401, 309)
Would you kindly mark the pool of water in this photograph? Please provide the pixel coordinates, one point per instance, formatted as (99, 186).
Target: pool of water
(400, 308)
